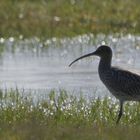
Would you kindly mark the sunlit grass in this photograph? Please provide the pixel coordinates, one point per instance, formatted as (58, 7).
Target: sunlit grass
(65, 116)
(68, 17)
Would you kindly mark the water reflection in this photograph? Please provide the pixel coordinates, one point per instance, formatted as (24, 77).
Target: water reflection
(35, 64)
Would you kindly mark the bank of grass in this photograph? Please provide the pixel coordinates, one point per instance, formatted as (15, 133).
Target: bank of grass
(53, 18)
(65, 117)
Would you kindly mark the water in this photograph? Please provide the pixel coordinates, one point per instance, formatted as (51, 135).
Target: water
(37, 65)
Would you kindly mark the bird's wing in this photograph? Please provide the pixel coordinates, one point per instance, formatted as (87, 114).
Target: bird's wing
(126, 81)
(133, 89)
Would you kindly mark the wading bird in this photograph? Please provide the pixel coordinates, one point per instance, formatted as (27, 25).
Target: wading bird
(123, 84)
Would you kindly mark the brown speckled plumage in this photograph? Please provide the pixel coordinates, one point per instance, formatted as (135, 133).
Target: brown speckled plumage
(123, 84)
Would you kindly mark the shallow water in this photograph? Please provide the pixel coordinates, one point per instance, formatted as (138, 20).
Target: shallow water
(43, 65)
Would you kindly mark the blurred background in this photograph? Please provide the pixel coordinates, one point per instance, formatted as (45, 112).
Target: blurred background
(68, 18)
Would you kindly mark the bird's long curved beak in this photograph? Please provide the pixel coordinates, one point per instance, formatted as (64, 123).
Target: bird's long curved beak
(87, 55)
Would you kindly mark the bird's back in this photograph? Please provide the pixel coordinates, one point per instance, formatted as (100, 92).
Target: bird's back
(123, 84)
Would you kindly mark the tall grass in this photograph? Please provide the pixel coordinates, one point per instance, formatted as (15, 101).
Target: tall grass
(49, 18)
(65, 116)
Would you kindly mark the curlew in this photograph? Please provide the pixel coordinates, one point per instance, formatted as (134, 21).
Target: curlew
(123, 84)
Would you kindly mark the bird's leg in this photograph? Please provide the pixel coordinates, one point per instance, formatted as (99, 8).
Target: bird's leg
(120, 112)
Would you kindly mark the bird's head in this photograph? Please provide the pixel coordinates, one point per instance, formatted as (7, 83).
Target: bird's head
(103, 51)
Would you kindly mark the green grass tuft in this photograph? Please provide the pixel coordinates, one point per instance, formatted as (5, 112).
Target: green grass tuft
(65, 116)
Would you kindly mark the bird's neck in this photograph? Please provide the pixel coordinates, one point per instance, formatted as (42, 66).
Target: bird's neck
(105, 64)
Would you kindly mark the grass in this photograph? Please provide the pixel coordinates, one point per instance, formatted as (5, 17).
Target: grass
(53, 18)
(65, 117)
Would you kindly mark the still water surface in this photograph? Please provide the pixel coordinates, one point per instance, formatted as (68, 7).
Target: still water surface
(34, 65)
